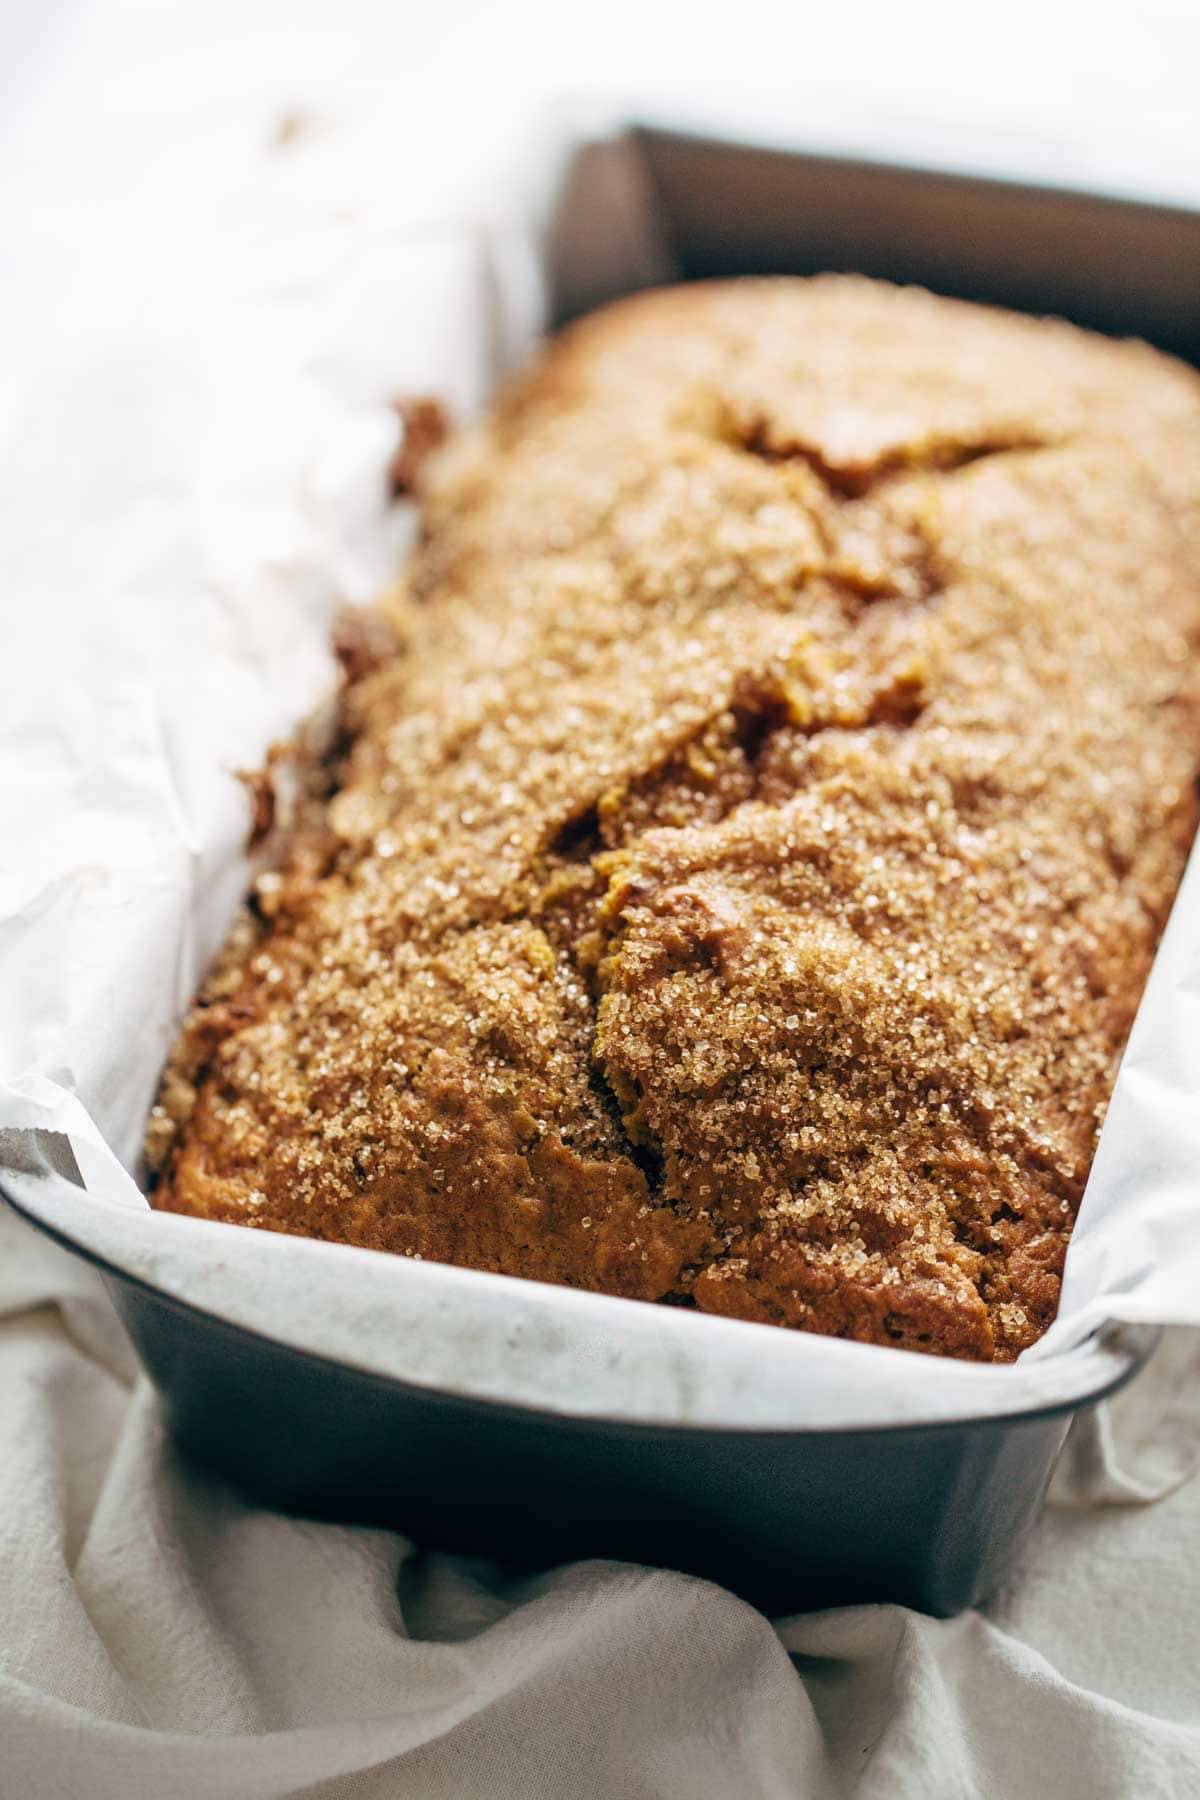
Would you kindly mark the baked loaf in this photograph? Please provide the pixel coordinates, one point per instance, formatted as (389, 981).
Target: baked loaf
(739, 874)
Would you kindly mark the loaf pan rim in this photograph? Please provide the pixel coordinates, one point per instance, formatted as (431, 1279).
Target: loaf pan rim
(1120, 1353)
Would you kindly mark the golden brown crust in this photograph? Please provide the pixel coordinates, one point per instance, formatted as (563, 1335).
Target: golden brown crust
(740, 886)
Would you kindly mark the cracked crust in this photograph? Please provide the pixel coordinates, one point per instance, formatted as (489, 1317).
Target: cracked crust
(748, 849)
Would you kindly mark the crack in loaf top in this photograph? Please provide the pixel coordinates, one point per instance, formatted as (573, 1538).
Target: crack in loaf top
(743, 867)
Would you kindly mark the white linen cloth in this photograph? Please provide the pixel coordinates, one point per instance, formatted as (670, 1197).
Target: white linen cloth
(158, 1638)
(162, 1640)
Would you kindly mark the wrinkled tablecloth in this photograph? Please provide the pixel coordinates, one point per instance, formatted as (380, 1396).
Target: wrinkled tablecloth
(162, 1640)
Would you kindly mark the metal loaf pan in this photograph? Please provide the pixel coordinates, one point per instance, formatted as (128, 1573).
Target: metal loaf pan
(927, 1515)
(930, 1515)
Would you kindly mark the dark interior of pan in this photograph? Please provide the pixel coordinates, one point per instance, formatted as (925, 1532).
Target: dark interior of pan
(1128, 267)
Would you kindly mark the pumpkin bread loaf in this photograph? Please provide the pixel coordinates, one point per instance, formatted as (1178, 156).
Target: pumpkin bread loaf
(749, 828)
